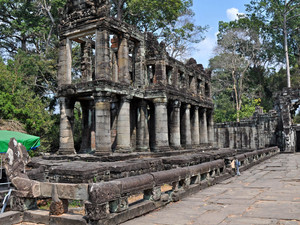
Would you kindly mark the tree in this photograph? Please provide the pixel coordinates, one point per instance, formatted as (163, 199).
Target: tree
(170, 20)
(19, 102)
(281, 20)
(28, 25)
(236, 51)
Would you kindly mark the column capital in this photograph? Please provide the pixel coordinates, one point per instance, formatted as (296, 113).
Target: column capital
(196, 107)
(126, 36)
(176, 104)
(203, 110)
(158, 101)
(187, 106)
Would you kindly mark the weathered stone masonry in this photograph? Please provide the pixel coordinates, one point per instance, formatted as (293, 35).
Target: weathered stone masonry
(134, 97)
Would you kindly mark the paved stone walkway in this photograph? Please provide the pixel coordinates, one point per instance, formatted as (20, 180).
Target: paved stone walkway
(268, 193)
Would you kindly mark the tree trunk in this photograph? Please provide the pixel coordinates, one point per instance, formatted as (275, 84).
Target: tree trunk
(286, 47)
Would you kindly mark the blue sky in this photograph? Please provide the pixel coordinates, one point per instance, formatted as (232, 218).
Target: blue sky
(210, 12)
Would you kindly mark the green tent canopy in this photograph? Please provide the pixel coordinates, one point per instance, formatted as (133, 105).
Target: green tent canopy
(29, 141)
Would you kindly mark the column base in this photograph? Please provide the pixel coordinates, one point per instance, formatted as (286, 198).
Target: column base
(161, 149)
(85, 151)
(123, 149)
(176, 147)
(66, 151)
(142, 149)
(187, 146)
(102, 151)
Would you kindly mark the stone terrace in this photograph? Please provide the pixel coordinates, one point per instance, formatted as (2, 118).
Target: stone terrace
(266, 194)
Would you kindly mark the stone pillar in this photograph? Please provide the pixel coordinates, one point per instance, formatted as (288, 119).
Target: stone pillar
(123, 126)
(66, 141)
(140, 70)
(86, 61)
(186, 137)
(160, 72)
(64, 62)
(142, 140)
(203, 127)
(210, 126)
(161, 125)
(232, 137)
(175, 125)
(102, 124)
(123, 60)
(195, 127)
(102, 58)
(87, 114)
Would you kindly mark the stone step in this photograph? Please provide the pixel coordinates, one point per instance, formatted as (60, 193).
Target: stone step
(42, 217)
(10, 217)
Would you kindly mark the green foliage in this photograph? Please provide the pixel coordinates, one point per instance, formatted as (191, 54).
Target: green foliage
(19, 102)
(296, 119)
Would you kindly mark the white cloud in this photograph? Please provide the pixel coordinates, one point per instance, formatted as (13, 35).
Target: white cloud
(233, 13)
(204, 50)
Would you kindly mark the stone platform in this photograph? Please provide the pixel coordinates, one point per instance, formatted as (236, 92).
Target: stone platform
(268, 193)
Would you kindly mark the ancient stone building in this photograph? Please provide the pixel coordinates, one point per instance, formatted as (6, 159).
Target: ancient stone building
(133, 96)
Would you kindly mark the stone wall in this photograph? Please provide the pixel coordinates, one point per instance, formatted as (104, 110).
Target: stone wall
(260, 131)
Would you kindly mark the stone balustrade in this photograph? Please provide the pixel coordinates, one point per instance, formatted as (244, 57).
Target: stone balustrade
(118, 200)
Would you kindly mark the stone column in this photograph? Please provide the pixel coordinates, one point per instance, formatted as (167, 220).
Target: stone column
(66, 141)
(86, 61)
(102, 57)
(203, 127)
(140, 70)
(161, 125)
(86, 134)
(102, 123)
(64, 62)
(186, 126)
(211, 134)
(142, 140)
(123, 126)
(195, 127)
(123, 60)
(175, 125)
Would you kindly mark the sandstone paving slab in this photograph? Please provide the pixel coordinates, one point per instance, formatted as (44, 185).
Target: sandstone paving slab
(240, 193)
(258, 196)
(238, 220)
(275, 210)
(281, 195)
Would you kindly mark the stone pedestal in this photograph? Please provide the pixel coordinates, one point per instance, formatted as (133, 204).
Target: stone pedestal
(203, 127)
(175, 125)
(66, 141)
(142, 140)
(102, 125)
(186, 138)
(161, 125)
(195, 127)
(123, 126)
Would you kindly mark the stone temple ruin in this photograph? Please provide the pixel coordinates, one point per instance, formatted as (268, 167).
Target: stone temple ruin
(134, 97)
(147, 119)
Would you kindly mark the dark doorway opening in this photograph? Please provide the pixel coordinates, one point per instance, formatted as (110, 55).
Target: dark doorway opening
(298, 141)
